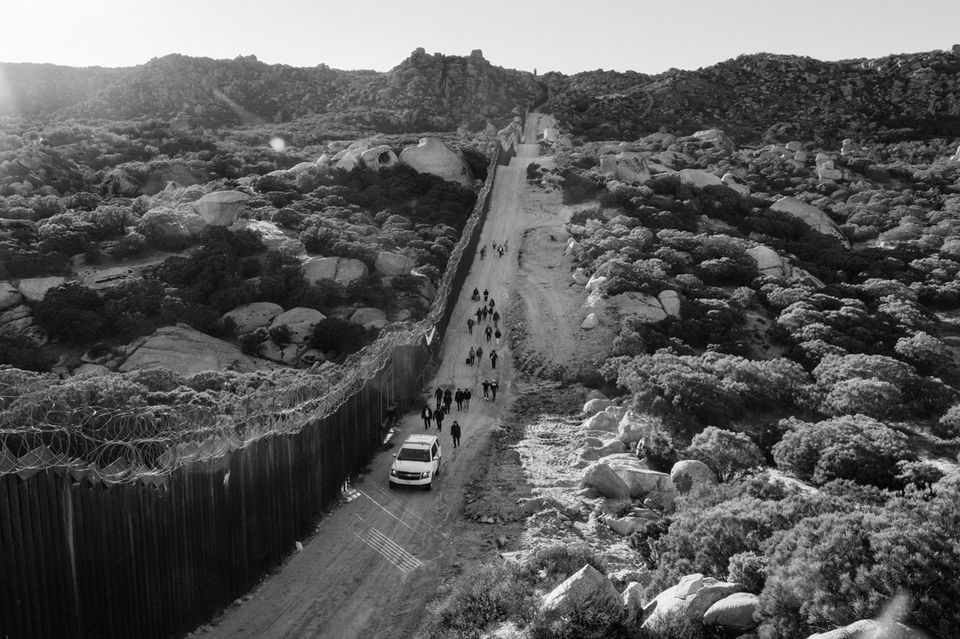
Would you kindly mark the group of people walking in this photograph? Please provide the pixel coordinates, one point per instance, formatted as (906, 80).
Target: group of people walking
(488, 313)
(499, 249)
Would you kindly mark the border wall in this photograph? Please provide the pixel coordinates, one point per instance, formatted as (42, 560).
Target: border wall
(119, 552)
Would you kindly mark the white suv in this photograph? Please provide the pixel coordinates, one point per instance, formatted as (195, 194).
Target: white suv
(417, 462)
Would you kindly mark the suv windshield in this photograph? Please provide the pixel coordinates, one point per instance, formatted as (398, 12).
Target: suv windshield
(413, 454)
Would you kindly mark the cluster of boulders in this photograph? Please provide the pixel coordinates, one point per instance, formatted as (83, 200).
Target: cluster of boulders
(16, 318)
(695, 598)
(430, 155)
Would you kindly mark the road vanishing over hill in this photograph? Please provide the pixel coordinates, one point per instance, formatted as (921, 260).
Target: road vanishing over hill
(376, 560)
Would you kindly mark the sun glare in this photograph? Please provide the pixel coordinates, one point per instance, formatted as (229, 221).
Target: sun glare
(277, 144)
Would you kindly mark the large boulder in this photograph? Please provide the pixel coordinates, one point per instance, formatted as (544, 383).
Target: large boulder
(270, 234)
(635, 426)
(626, 526)
(168, 228)
(871, 629)
(186, 351)
(601, 478)
(812, 216)
(769, 262)
(301, 321)
(286, 354)
(646, 308)
(590, 321)
(389, 263)
(369, 317)
(594, 406)
(689, 473)
(436, 158)
(639, 479)
(670, 301)
(250, 317)
(379, 157)
(601, 421)
(342, 270)
(599, 447)
(627, 167)
(735, 612)
(35, 288)
(632, 600)
(17, 322)
(221, 208)
(587, 586)
(10, 296)
(699, 178)
(691, 597)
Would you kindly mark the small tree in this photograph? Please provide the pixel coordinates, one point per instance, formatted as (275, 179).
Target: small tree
(727, 453)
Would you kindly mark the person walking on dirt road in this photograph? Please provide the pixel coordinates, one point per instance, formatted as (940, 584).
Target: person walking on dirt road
(427, 416)
(479, 355)
(455, 433)
(476, 295)
(438, 417)
(486, 389)
(479, 315)
(466, 398)
(488, 332)
(493, 358)
(498, 335)
(483, 252)
(458, 398)
(486, 294)
(439, 395)
(494, 385)
(470, 326)
(496, 319)
(447, 400)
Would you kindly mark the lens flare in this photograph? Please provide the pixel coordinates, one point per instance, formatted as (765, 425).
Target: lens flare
(277, 144)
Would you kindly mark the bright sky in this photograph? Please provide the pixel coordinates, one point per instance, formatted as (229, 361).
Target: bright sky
(559, 35)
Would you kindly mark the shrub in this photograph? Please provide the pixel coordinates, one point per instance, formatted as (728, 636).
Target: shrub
(581, 619)
(560, 562)
(493, 593)
(727, 453)
(748, 569)
(850, 447)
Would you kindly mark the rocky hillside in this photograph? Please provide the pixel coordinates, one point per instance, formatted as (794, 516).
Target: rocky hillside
(424, 92)
(769, 97)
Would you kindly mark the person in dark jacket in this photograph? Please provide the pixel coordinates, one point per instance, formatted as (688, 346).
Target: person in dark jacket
(496, 319)
(455, 433)
(447, 400)
(466, 398)
(494, 385)
(486, 389)
(488, 332)
(458, 398)
(438, 417)
(439, 395)
(493, 359)
(427, 416)
(470, 325)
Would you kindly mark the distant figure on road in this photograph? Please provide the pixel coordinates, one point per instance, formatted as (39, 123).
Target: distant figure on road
(455, 433)
(447, 400)
(470, 325)
(493, 358)
(496, 319)
(486, 294)
(479, 315)
(491, 304)
(438, 417)
(479, 354)
(488, 332)
(483, 252)
(466, 398)
(439, 395)
(476, 295)
(494, 385)
(458, 398)
(427, 416)
(498, 335)
(500, 251)
(486, 389)
(484, 312)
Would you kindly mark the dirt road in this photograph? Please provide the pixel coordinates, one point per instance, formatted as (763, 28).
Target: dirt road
(376, 561)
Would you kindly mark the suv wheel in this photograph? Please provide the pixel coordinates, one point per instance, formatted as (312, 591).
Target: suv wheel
(438, 470)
